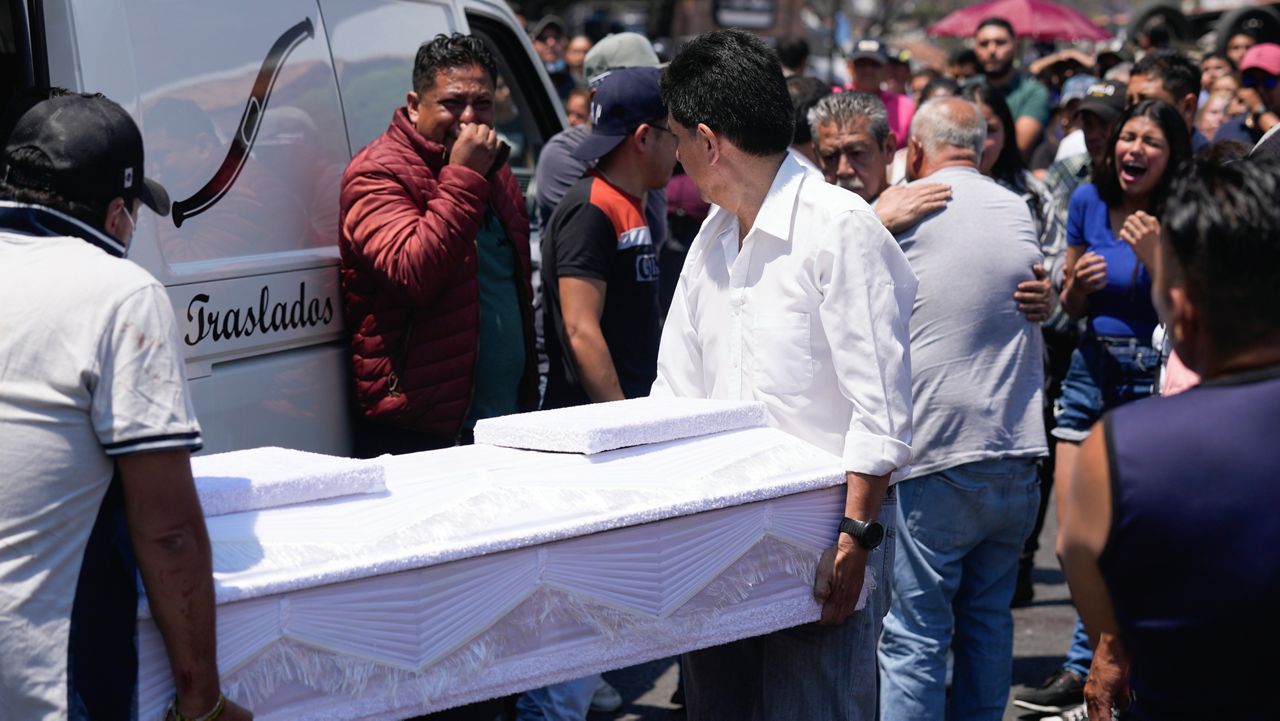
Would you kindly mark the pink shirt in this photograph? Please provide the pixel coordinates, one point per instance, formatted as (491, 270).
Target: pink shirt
(900, 108)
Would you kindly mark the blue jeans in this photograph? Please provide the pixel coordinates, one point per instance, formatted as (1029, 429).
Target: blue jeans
(960, 532)
(564, 701)
(1080, 655)
(810, 672)
(1104, 373)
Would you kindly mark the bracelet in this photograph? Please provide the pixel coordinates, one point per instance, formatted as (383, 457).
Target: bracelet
(176, 715)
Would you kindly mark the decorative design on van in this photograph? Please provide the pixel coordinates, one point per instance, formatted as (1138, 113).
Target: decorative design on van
(266, 317)
(250, 122)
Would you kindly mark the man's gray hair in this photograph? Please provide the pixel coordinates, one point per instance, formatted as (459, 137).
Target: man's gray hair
(846, 108)
(945, 123)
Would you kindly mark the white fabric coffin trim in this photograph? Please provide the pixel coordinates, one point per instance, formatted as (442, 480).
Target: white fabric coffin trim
(599, 427)
(270, 477)
(484, 570)
(418, 641)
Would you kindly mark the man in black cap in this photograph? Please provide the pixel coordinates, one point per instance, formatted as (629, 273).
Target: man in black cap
(599, 263)
(866, 64)
(96, 428)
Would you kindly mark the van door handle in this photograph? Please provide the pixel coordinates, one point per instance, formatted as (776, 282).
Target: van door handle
(242, 142)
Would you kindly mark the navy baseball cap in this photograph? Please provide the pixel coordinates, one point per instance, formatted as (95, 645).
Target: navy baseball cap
(625, 99)
(869, 49)
(92, 151)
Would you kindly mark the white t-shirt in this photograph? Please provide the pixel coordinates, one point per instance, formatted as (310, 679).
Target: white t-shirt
(90, 368)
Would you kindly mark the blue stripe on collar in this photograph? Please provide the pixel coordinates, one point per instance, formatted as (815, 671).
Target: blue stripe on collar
(39, 220)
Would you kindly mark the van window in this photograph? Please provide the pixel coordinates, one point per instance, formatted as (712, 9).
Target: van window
(16, 72)
(240, 114)
(374, 44)
(525, 114)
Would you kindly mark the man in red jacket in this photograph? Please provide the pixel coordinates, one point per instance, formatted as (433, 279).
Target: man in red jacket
(435, 263)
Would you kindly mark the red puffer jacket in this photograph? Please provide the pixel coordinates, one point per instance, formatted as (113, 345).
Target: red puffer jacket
(408, 243)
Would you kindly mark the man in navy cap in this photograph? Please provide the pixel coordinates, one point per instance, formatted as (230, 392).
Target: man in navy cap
(599, 263)
(600, 284)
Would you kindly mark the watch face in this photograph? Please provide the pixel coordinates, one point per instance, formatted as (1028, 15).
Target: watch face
(872, 534)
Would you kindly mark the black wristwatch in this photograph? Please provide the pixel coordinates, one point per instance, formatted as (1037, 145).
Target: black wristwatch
(868, 534)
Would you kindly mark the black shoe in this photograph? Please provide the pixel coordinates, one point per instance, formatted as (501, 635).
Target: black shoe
(1058, 693)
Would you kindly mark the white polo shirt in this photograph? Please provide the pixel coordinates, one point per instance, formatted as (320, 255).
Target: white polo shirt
(90, 368)
(811, 317)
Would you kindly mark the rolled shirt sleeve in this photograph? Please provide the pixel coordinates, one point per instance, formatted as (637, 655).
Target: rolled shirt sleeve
(866, 311)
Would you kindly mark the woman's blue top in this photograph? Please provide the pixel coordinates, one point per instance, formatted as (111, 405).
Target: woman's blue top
(1123, 307)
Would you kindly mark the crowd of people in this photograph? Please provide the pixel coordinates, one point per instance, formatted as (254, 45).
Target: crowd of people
(966, 284)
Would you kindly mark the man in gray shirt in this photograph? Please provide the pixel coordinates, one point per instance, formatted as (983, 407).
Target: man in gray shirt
(971, 496)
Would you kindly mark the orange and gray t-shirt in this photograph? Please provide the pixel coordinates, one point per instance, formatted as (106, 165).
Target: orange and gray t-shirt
(599, 232)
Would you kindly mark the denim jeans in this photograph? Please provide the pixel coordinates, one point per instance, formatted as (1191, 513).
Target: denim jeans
(810, 672)
(960, 532)
(1104, 373)
(564, 701)
(1080, 655)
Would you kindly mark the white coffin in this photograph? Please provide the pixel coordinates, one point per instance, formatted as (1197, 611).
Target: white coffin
(483, 571)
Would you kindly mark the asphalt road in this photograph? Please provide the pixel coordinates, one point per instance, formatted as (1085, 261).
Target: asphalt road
(1041, 634)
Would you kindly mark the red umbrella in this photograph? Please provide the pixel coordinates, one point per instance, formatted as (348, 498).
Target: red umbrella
(1037, 19)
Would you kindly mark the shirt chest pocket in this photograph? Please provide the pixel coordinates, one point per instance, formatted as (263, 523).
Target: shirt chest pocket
(782, 352)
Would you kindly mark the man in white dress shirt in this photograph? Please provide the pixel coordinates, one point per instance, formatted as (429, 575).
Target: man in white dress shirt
(793, 294)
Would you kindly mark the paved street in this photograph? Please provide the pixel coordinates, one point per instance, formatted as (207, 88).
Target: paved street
(1041, 633)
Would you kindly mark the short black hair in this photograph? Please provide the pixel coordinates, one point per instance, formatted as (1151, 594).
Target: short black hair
(805, 92)
(1179, 75)
(36, 163)
(450, 51)
(731, 81)
(938, 86)
(997, 22)
(1223, 226)
(963, 56)
(1176, 135)
(1220, 55)
(793, 53)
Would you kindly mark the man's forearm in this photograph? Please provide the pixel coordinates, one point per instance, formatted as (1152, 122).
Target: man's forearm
(864, 494)
(171, 544)
(596, 371)
(177, 571)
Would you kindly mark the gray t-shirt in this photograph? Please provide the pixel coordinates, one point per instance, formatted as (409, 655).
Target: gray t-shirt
(558, 170)
(976, 362)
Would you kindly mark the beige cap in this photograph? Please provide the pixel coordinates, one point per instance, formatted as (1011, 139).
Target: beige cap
(621, 50)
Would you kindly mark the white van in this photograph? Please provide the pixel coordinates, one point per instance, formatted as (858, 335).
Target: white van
(250, 111)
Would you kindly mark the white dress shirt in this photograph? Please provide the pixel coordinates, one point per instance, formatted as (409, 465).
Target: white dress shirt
(811, 317)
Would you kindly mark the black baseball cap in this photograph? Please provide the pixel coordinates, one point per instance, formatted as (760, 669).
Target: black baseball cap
(93, 151)
(625, 99)
(1104, 98)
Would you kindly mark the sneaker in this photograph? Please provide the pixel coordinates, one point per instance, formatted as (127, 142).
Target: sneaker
(1075, 713)
(1061, 691)
(606, 698)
